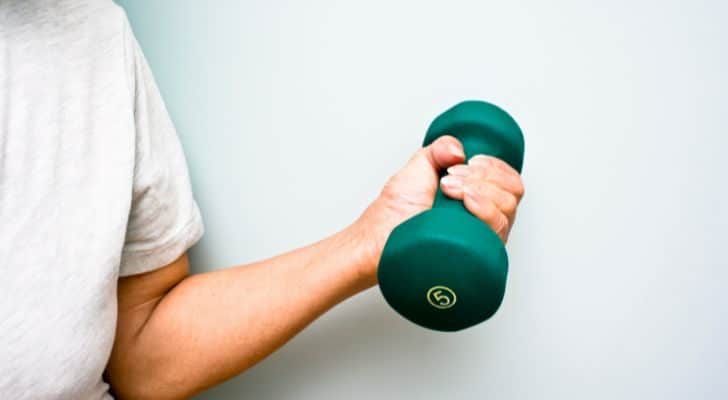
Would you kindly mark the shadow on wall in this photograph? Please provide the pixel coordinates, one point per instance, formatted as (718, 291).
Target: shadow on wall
(338, 349)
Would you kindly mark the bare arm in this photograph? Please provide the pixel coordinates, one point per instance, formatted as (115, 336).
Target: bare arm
(185, 333)
(178, 334)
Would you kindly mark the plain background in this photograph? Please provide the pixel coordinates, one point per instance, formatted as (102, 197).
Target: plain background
(293, 114)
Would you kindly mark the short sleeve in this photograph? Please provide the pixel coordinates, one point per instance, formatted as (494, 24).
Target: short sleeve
(164, 219)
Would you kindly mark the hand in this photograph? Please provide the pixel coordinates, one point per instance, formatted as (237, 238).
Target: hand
(489, 188)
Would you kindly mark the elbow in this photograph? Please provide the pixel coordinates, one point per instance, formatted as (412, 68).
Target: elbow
(128, 388)
(141, 379)
(133, 391)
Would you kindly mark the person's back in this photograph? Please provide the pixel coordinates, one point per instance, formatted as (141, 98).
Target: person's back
(78, 115)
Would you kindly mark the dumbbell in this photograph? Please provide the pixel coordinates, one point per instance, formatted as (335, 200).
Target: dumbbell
(445, 269)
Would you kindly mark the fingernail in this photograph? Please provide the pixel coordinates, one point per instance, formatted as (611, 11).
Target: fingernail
(452, 182)
(459, 170)
(456, 151)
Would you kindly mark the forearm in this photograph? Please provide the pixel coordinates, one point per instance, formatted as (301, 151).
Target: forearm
(214, 325)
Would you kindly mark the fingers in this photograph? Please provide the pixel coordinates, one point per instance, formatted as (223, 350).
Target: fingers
(487, 211)
(490, 203)
(499, 172)
(504, 201)
(489, 188)
(452, 184)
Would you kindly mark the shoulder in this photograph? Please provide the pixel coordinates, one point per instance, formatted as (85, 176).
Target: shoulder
(62, 21)
(98, 19)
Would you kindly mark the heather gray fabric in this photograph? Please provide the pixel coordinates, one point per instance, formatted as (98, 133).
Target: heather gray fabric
(93, 186)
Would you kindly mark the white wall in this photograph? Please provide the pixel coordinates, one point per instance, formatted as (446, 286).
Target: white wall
(293, 114)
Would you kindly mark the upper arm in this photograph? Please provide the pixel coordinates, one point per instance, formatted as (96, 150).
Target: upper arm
(163, 221)
(136, 291)
(138, 296)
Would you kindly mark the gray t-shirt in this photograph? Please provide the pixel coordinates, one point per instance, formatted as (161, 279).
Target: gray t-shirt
(93, 186)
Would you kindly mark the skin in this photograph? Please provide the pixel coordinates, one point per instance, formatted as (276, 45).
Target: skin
(165, 347)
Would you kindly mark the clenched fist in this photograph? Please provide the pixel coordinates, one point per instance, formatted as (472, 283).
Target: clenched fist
(489, 188)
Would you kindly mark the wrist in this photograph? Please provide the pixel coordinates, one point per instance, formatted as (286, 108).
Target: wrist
(370, 232)
(365, 238)
(359, 248)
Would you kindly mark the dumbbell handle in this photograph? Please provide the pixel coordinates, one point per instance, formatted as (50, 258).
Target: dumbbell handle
(472, 146)
(477, 137)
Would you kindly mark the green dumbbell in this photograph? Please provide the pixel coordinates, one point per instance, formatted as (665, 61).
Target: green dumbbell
(445, 269)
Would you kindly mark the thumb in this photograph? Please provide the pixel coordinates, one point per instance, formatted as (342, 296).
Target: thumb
(420, 174)
(442, 153)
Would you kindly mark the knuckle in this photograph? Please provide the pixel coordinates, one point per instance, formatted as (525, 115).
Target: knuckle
(509, 204)
(503, 233)
(476, 176)
(490, 213)
(474, 190)
(519, 190)
(503, 229)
